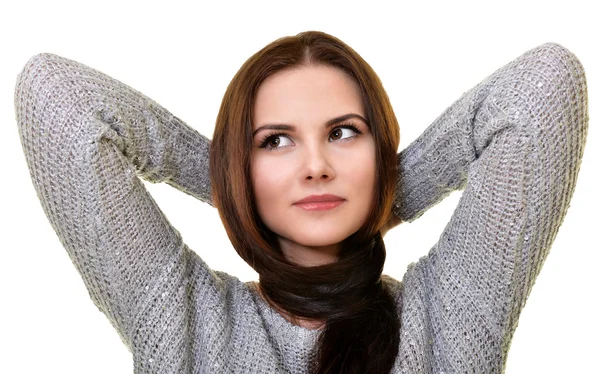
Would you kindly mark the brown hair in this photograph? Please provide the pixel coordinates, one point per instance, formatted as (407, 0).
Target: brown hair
(362, 330)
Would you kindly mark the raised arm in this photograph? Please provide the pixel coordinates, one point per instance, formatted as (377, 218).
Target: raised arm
(514, 143)
(86, 138)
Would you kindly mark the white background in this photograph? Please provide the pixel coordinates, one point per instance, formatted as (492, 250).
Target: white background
(183, 55)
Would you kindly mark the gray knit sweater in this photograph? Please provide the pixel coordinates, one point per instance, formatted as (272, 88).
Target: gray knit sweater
(513, 143)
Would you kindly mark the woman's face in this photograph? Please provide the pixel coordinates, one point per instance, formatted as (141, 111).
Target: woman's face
(299, 152)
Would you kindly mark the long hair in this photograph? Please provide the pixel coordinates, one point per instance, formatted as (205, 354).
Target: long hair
(362, 325)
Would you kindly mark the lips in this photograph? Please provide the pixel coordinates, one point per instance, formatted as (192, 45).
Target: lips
(319, 199)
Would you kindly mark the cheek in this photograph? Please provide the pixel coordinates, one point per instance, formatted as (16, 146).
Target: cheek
(359, 169)
(271, 180)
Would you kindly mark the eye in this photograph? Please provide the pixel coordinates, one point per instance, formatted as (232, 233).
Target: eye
(274, 141)
(344, 132)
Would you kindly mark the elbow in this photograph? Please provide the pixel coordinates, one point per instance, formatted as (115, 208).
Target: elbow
(548, 90)
(34, 72)
(567, 71)
(568, 91)
(32, 81)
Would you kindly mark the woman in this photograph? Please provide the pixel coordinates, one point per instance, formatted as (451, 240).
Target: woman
(514, 143)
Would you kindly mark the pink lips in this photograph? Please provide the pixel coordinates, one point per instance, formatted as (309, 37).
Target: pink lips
(319, 202)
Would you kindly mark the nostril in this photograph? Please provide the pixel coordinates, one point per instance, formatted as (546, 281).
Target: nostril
(324, 176)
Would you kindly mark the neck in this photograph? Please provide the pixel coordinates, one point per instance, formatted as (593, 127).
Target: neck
(309, 256)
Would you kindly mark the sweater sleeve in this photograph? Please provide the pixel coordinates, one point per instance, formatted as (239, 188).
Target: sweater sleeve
(514, 143)
(86, 139)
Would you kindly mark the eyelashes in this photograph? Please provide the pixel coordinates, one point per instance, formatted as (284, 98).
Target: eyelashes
(266, 140)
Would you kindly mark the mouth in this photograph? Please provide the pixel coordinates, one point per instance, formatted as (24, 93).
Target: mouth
(324, 205)
(320, 202)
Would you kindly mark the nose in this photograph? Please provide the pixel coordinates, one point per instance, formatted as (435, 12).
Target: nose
(318, 165)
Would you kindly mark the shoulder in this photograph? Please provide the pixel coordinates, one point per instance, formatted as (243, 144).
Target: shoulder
(394, 286)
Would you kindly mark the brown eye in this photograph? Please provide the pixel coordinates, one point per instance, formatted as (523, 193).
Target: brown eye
(336, 134)
(274, 142)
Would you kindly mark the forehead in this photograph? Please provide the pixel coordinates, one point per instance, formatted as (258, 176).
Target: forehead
(310, 94)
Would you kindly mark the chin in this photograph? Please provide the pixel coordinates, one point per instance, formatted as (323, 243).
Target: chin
(319, 239)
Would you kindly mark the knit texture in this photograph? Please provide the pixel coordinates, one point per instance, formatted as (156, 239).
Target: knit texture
(513, 144)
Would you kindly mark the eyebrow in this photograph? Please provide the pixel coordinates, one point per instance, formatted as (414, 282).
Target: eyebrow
(331, 122)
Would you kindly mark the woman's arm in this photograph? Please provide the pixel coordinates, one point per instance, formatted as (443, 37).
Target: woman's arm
(86, 138)
(514, 143)
(159, 145)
